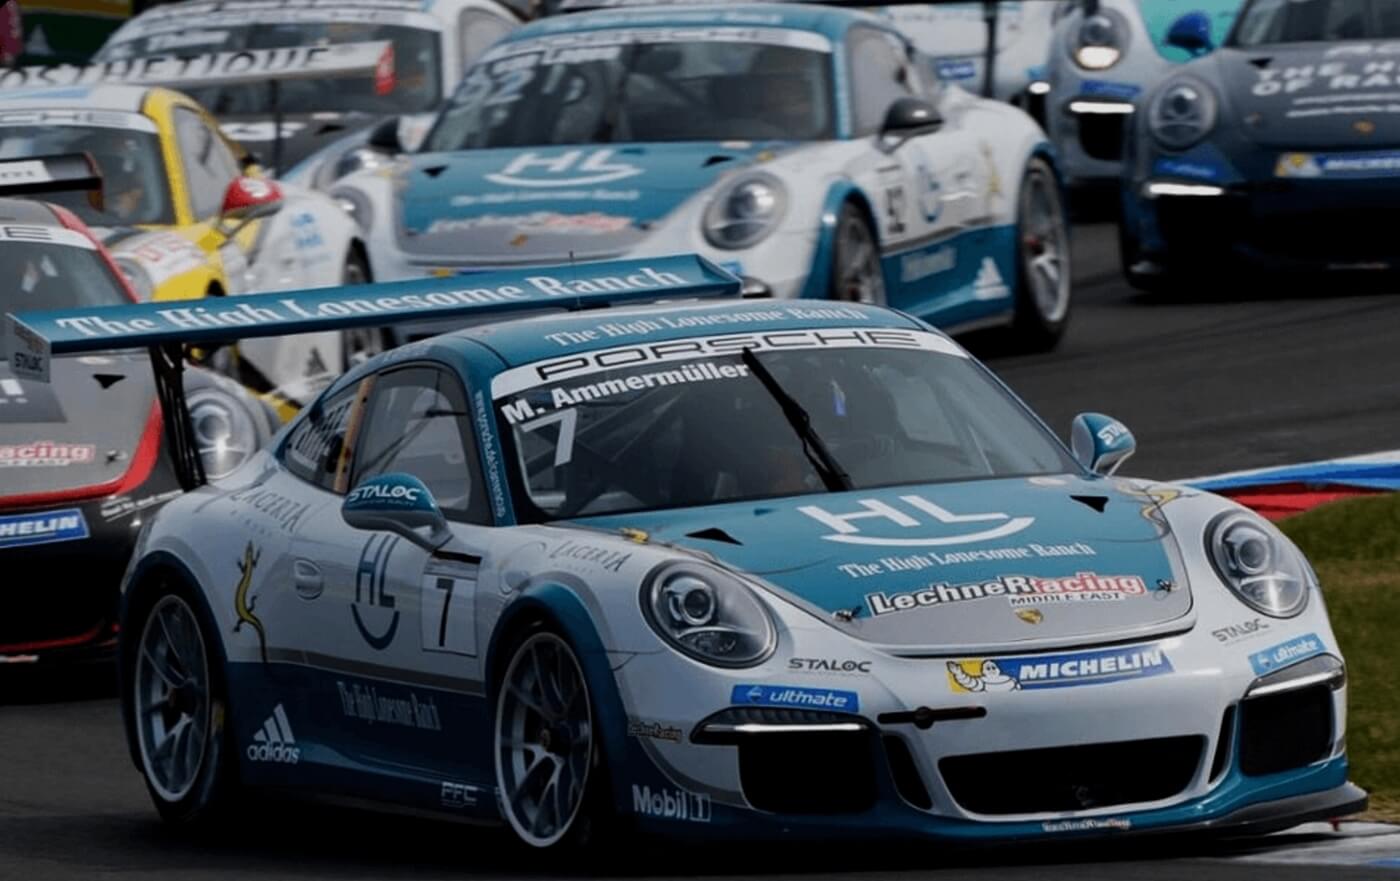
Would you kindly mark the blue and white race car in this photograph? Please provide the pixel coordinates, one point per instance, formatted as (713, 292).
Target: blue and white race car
(720, 569)
(747, 134)
(1103, 55)
(1276, 153)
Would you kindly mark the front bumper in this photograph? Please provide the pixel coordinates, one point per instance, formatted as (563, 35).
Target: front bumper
(1165, 753)
(1087, 121)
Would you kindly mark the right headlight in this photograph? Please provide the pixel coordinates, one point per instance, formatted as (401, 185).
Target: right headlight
(708, 615)
(1100, 41)
(356, 204)
(1182, 113)
(136, 274)
(1260, 568)
(224, 431)
(745, 212)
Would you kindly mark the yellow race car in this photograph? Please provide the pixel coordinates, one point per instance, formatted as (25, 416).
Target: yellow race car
(174, 212)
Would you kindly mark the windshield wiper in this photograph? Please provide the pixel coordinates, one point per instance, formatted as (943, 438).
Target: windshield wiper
(830, 471)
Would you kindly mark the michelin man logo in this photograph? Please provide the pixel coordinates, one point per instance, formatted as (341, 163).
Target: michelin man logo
(981, 676)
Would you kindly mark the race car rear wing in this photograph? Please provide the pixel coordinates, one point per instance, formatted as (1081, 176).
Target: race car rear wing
(30, 340)
(57, 173)
(234, 67)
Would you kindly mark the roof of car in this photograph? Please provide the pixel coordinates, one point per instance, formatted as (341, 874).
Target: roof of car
(828, 20)
(525, 340)
(28, 211)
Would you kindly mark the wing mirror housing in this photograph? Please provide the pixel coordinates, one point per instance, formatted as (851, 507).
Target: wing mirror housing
(384, 137)
(908, 117)
(1192, 33)
(1101, 443)
(248, 199)
(397, 503)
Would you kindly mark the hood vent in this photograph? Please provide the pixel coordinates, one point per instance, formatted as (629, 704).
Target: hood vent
(713, 534)
(1098, 503)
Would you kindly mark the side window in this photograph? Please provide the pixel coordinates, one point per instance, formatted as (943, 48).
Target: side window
(478, 31)
(209, 166)
(416, 422)
(313, 448)
(880, 74)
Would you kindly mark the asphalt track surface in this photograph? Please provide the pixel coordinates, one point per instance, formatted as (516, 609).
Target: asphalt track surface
(1215, 383)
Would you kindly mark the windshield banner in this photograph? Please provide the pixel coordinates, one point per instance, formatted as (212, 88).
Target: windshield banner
(216, 68)
(31, 339)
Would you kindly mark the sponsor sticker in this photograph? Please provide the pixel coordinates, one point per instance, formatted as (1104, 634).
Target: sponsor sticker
(828, 665)
(1187, 168)
(653, 730)
(961, 69)
(932, 559)
(274, 741)
(1087, 824)
(368, 704)
(1285, 653)
(1240, 630)
(1020, 591)
(46, 527)
(1031, 673)
(1339, 165)
(1105, 89)
(795, 696)
(45, 454)
(671, 804)
(932, 524)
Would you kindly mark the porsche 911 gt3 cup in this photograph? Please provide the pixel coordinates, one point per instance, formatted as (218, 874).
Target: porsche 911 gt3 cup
(433, 43)
(1277, 152)
(746, 568)
(749, 134)
(1103, 55)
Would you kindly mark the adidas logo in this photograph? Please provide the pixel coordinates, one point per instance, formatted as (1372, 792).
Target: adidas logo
(989, 284)
(274, 741)
(11, 392)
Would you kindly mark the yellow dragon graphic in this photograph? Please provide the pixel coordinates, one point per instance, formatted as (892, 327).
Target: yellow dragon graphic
(242, 603)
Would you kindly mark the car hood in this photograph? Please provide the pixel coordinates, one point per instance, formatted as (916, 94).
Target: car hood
(1006, 563)
(80, 431)
(302, 133)
(546, 202)
(1311, 96)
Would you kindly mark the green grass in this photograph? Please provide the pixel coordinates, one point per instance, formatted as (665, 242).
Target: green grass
(1355, 547)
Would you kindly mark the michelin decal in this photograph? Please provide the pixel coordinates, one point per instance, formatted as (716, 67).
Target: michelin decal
(1031, 673)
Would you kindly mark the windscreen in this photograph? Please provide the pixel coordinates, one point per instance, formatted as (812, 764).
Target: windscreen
(134, 189)
(692, 423)
(417, 67)
(643, 85)
(53, 268)
(1265, 22)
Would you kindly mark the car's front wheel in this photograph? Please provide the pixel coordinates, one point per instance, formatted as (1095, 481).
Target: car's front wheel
(548, 758)
(856, 275)
(1042, 260)
(176, 699)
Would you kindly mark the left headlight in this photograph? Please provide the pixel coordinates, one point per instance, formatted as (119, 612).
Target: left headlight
(139, 278)
(1261, 568)
(1100, 41)
(356, 204)
(708, 615)
(745, 212)
(224, 431)
(1182, 113)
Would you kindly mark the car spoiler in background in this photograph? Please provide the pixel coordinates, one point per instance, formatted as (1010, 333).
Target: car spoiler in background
(57, 173)
(233, 67)
(990, 14)
(30, 340)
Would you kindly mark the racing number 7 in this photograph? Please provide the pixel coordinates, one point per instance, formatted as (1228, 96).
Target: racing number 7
(446, 609)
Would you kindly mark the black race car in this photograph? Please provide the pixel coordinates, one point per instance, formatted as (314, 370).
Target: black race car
(1280, 150)
(84, 458)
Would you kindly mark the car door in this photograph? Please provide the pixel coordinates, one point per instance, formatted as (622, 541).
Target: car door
(208, 167)
(393, 637)
(929, 189)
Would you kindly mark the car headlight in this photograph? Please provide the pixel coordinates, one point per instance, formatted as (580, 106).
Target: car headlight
(140, 279)
(224, 432)
(356, 204)
(1257, 564)
(745, 212)
(1182, 113)
(1100, 40)
(708, 615)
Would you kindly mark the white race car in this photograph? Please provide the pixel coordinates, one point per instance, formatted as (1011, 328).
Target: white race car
(1104, 54)
(734, 569)
(323, 122)
(803, 146)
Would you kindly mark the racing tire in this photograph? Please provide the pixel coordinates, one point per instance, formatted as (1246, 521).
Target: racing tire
(549, 764)
(359, 344)
(175, 702)
(856, 274)
(1043, 265)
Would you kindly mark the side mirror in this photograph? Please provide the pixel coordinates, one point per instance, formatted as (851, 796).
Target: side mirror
(907, 118)
(1101, 443)
(384, 137)
(248, 199)
(1192, 33)
(397, 503)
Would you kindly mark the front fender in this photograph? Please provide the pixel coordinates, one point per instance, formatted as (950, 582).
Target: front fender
(839, 193)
